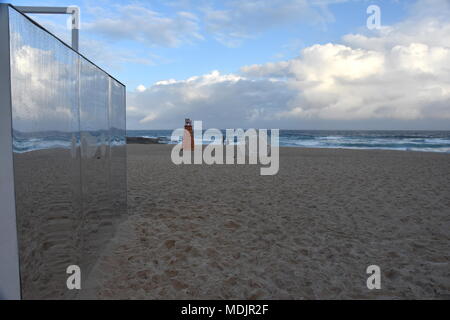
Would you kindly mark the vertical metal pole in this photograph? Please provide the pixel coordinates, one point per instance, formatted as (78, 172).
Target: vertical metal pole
(75, 24)
(9, 253)
(75, 39)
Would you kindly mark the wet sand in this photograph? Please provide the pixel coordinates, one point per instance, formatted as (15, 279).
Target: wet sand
(309, 232)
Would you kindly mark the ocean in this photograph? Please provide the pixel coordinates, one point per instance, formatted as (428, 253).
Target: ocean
(430, 141)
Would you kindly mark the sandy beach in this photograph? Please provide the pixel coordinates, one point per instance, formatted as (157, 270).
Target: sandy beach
(309, 232)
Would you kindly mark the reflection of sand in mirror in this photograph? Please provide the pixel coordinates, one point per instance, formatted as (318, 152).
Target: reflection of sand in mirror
(119, 178)
(98, 215)
(55, 228)
(49, 220)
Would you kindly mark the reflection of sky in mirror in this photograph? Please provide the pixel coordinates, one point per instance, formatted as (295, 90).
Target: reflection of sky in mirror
(43, 80)
(94, 86)
(117, 116)
(56, 92)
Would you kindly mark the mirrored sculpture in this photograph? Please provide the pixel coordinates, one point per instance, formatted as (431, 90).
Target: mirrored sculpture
(68, 127)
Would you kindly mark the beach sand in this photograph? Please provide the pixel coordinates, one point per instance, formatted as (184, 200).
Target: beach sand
(309, 232)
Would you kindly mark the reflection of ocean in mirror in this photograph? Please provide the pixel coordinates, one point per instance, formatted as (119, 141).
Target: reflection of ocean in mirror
(25, 142)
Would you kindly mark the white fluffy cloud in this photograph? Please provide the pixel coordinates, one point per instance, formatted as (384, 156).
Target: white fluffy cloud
(216, 99)
(398, 75)
(337, 82)
(140, 88)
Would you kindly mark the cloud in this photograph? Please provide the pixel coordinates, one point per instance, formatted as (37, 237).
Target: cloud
(111, 57)
(397, 76)
(215, 98)
(146, 26)
(140, 88)
(240, 20)
(340, 83)
(104, 54)
(428, 23)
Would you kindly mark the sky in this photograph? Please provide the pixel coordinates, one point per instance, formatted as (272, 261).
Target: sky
(288, 64)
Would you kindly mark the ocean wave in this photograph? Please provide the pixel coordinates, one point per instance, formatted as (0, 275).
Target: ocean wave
(426, 141)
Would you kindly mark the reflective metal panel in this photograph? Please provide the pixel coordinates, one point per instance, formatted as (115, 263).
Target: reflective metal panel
(117, 124)
(9, 255)
(45, 125)
(66, 112)
(95, 160)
